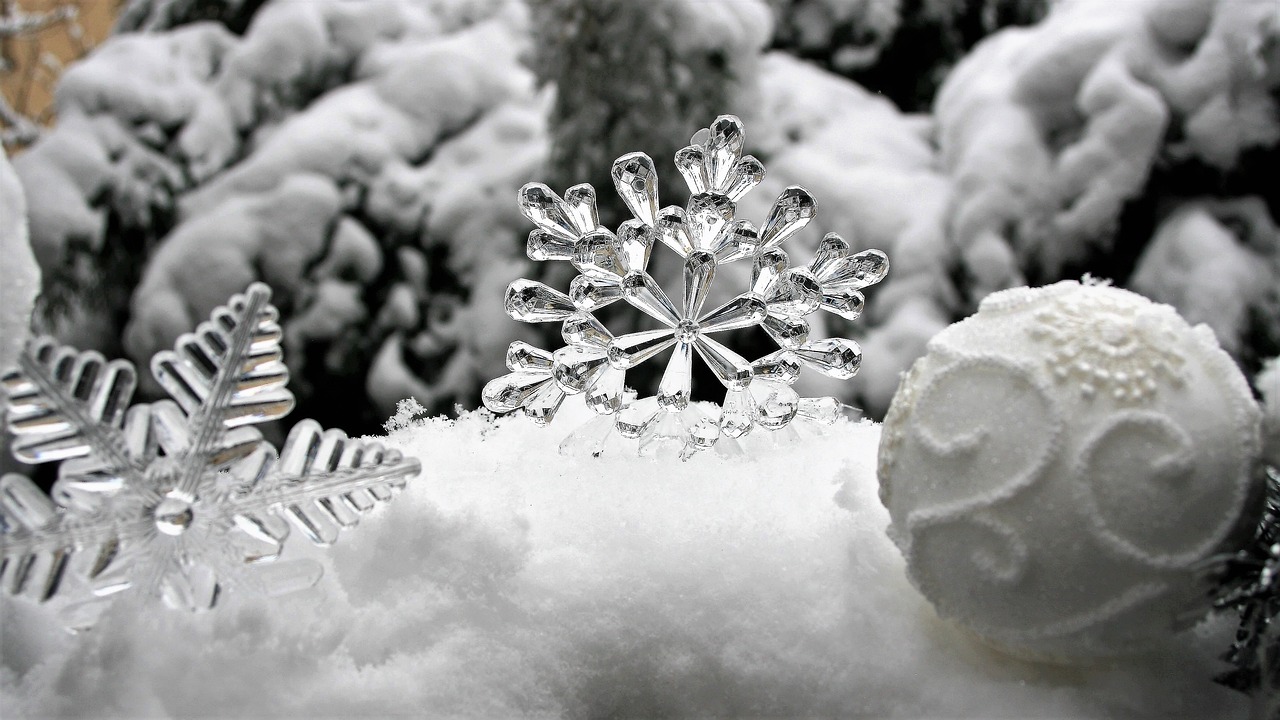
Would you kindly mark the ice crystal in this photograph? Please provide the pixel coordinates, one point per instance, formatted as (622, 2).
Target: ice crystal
(183, 497)
(706, 235)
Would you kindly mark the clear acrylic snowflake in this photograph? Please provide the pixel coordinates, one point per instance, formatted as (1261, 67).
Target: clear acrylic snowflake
(180, 498)
(706, 235)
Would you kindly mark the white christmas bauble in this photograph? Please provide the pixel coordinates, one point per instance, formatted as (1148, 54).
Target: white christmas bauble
(1058, 466)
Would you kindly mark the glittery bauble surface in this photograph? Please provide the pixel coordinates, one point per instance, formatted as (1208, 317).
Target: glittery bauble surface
(1057, 464)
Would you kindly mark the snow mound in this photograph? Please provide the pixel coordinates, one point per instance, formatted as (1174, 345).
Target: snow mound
(512, 581)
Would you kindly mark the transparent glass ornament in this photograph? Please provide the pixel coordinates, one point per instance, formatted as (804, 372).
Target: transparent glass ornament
(705, 234)
(180, 499)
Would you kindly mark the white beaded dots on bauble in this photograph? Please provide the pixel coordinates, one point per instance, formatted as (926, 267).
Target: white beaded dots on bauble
(1057, 464)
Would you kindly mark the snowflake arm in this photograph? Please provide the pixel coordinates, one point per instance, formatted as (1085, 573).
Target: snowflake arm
(226, 374)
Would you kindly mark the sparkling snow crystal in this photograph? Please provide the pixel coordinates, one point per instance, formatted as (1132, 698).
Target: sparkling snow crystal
(181, 497)
(706, 235)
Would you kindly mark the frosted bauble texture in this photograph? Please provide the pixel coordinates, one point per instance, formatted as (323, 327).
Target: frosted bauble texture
(1057, 464)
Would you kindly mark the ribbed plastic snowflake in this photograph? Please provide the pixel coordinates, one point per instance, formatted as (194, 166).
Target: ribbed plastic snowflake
(179, 498)
(706, 235)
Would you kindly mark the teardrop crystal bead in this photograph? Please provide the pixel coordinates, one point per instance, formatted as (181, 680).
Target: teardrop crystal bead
(789, 333)
(627, 351)
(779, 366)
(576, 368)
(740, 240)
(834, 357)
(645, 294)
(793, 209)
(776, 404)
(858, 271)
(583, 329)
(591, 292)
(737, 413)
(826, 410)
(581, 201)
(690, 161)
(765, 270)
(600, 253)
(845, 302)
(636, 180)
(664, 438)
(723, 149)
(794, 294)
(636, 240)
(541, 407)
(748, 173)
(677, 381)
(701, 432)
(729, 448)
(540, 204)
(532, 301)
(634, 418)
(506, 393)
(605, 394)
(831, 250)
(672, 231)
(547, 246)
(705, 217)
(523, 356)
(732, 369)
(743, 311)
(590, 438)
(699, 273)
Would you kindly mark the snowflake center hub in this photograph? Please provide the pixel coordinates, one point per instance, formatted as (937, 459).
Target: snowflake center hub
(687, 331)
(173, 515)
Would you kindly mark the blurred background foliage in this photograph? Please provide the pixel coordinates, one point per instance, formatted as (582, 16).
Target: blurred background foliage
(362, 157)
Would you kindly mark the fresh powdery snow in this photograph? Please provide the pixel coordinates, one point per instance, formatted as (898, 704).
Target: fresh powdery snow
(509, 580)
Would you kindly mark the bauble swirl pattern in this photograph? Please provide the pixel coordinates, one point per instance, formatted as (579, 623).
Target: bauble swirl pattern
(1058, 465)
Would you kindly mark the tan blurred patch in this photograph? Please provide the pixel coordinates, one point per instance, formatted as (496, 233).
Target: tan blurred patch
(34, 59)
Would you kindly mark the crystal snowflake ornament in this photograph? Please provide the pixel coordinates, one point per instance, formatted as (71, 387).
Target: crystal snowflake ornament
(180, 498)
(706, 235)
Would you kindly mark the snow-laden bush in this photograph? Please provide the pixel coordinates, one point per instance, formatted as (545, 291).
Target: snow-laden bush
(363, 158)
(1071, 143)
(902, 49)
(1135, 141)
(359, 157)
